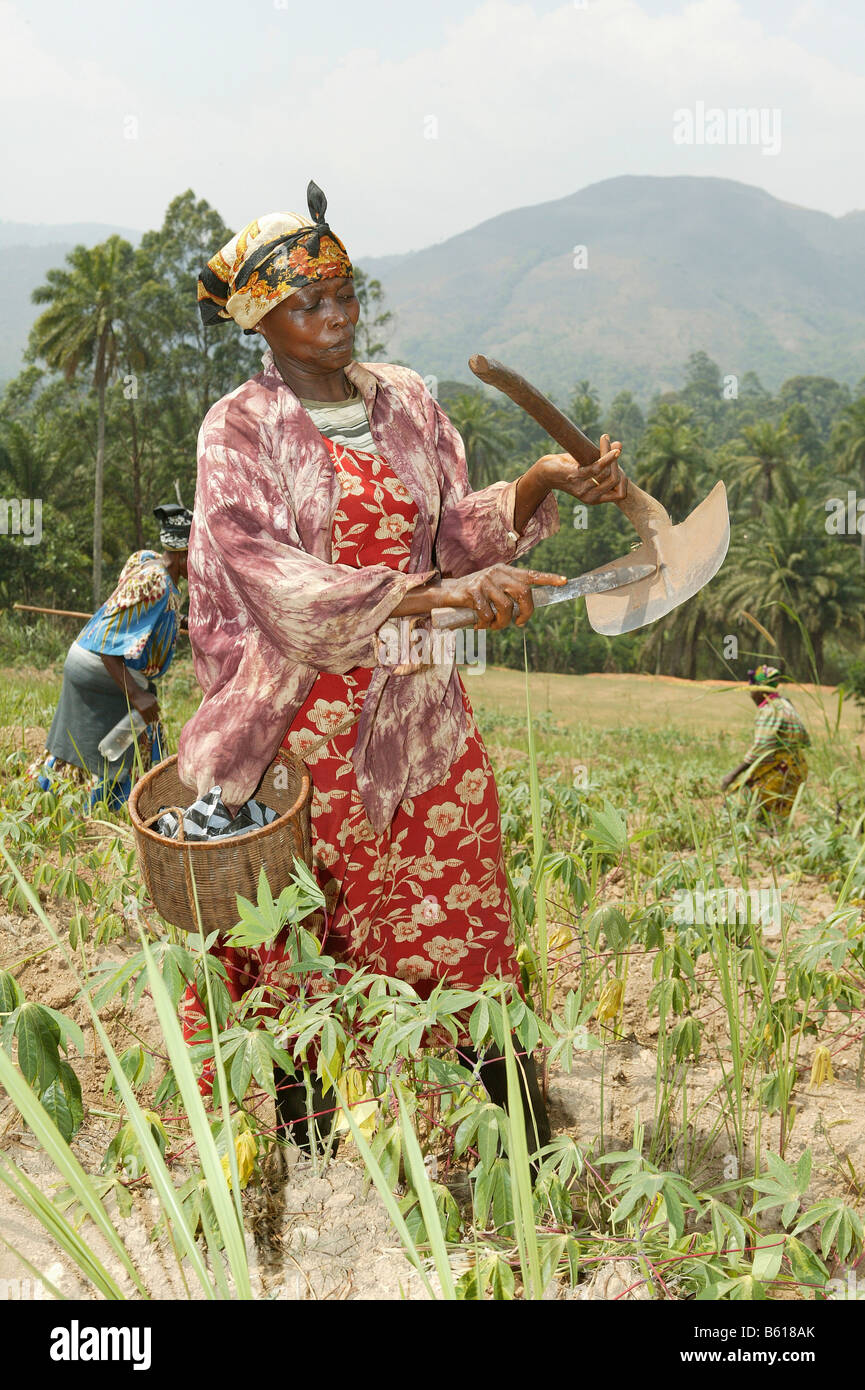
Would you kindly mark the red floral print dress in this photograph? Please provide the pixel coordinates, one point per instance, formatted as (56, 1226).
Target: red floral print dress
(426, 900)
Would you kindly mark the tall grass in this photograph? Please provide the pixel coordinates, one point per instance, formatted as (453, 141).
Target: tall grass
(224, 1234)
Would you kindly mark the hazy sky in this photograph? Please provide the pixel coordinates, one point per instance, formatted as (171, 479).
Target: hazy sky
(246, 101)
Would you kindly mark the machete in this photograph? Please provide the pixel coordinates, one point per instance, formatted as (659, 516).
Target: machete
(597, 582)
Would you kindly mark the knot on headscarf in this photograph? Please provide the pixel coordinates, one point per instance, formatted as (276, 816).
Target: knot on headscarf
(270, 259)
(317, 205)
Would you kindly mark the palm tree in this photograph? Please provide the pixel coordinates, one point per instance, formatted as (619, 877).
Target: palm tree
(673, 644)
(586, 409)
(31, 459)
(82, 327)
(671, 458)
(791, 561)
(625, 421)
(848, 442)
(485, 436)
(763, 465)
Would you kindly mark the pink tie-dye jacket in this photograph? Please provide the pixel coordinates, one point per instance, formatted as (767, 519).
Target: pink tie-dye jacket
(269, 610)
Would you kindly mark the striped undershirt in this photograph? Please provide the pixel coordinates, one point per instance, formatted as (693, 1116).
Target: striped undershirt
(345, 422)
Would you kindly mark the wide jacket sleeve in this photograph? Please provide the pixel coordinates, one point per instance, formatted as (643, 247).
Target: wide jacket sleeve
(477, 528)
(315, 613)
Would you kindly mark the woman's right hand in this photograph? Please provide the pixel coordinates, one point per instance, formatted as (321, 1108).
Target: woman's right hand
(500, 595)
(147, 705)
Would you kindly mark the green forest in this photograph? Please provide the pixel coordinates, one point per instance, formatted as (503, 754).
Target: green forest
(101, 425)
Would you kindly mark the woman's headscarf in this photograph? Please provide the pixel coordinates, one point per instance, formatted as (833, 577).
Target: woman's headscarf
(269, 260)
(174, 526)
(764, 675)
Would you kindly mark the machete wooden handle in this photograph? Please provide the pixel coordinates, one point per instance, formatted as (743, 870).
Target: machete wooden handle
(645, 514)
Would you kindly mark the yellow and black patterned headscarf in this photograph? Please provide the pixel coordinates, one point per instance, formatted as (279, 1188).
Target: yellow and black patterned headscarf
(269, 260)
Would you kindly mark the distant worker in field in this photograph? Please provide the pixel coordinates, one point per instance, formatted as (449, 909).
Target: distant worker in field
(775, 763)
(112, 664)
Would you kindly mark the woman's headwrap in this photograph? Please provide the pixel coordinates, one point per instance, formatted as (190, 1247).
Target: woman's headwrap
(268, 261)
(174, 524)
(764, 675)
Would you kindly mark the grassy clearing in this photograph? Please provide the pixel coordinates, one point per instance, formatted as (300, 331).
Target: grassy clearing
(696, 986)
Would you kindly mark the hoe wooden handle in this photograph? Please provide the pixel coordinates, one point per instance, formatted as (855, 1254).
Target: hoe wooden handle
(645, 514)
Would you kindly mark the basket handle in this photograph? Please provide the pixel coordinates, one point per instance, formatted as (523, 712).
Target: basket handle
(187, 866)
(151, 820)
(179, 838)
(187, 874)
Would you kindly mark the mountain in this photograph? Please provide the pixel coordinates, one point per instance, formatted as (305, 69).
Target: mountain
(63, 234)
(29, 250)
(673, 265)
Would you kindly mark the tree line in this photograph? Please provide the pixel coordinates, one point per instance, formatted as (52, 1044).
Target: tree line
(102, 421)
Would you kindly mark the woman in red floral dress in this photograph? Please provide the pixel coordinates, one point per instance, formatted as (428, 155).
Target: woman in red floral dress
(426, 899)
(405, 815)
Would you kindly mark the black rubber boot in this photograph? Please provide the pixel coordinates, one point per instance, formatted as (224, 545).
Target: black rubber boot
(493, 1074)
(292, 1122)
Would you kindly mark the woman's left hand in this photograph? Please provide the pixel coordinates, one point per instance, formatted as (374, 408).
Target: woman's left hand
(593, 483)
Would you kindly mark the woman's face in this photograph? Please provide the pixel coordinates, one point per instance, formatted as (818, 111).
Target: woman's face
(315, 325)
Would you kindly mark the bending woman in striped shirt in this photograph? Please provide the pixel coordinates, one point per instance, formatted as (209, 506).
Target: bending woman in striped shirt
(775, 762)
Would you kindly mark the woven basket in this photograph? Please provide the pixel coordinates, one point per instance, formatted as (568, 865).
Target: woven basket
(221, 868)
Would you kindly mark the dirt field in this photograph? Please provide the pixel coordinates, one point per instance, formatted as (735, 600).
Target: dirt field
(327, 1236)
(652, 702)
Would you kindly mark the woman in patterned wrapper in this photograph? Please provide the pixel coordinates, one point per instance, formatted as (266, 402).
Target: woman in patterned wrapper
(775, 764)
(333, 509)
(111, 667)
